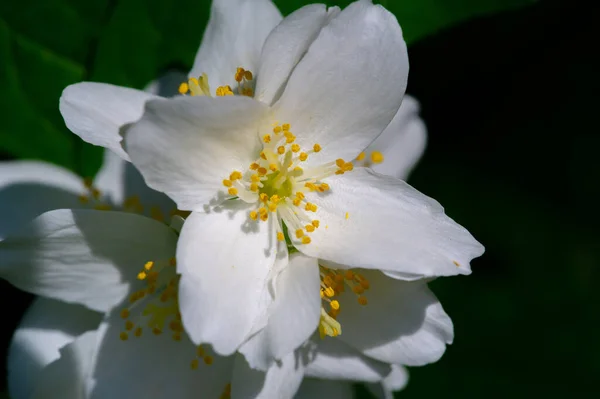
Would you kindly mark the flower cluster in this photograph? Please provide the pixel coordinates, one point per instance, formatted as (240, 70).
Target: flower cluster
(250, 234)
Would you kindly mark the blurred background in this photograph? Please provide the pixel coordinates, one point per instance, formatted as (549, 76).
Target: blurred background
(509, 91)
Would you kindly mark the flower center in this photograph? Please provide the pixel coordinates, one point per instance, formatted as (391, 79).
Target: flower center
(200, 87)
(333, 284)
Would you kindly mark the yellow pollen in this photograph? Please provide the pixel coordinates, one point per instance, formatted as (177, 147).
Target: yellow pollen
(239, 74)
(254, 187)
(232, 191)
(281, 150)
(340, 162)
(255, 178)
(277, 129)
(310, 228)
(262, 171)
(361, 156)
(235, 175)
(224, 91)
(208, 360)
(253, 215)
(362, 300)
(376, 157)
(289, 138)
(84, 199)
(456, 263)
(148, 265)
(124, 336)
(264, 217)
(335, 305)
(299, 233)
(349, 275)
(263, 155)
(138, 332)
(348, 167)
(129, 325)
(124, 313)
(306, 240)
(273, 167)
(329, 292)
(315, 223)
(142, 275)
(347, 216)
(227, 183)
(297, 201)
(295, 148)
(200, 351)
(303, 156)
(267, 138)
(272, 207)
(285, 127)
(248, 75)
(194, 364)
(183, 88)
(358, 289)
(316, 148)
(254, 166)
(264, 197)
(280, 236)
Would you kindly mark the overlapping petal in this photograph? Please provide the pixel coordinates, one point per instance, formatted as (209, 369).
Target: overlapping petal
(408, 232)
(395, 381)
(224, 260)
(186, 146)
(83, 256)
(96, 112)
(349, 85)
(293, 316)
(234, 38)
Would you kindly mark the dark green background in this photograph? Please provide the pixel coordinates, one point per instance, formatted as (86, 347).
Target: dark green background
(510, 99)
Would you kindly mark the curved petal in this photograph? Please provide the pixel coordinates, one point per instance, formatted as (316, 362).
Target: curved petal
(331, 358)
(224, 259)
(407, 323)
(30, 188)
(97, 111)
(395, 381)
(316, 388)
(285, 46)
(402, 143)
(233, 38)
(66, 377)
(280, 381)
(293, 315)
(83, 256)
(378, 222)
(186, 146)
(349, 85)
(154, 366)
(47, 326)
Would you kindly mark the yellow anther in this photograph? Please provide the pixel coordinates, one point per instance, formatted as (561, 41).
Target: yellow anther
(362, 300)
(303, 156)
(227, 183)
(317, 147)
(324, 187)
(361, 156)
(297, 201)
(248, 75)
(300, 194)
(235, 175)
(310, 228)
(349, 275)
(322, 293)
(142, 275)
(262, 171)
(285, 127)
(299, 233)
(365, 283)
(254, 187)
(84, 199)
(232, 191)
(335, 305)
(339, 172)
(348, 166)
(239, 74)
(129, 325)
(277, 129)
(295, 148)
(358, 289)
(340, 162)
(280, 236)
(124, 336)
(306, 240)
(267, 138)
(272, 207)
(311, 207)
(262, 210)
(124, 313)
(347, 216)
(156, 331)
(224, 91)
(138, 332)
(376, 157)
(194, 364)
(329, 292)
(289, 137)
(254, 166)
(183, 88)
(88, 182)
(193, 80)
(264, 217)
(264, 197)
(273, 167)
(275, 198)
(253, 215)
(281, 150)
(208, 360)
(315, 223)
(177, 337)
(200, 351)
(173, 262)
(255, 178)
(149, 265)
(456, 263)
(263, 155)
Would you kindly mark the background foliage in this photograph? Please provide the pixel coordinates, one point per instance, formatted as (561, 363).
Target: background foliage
(509, 95)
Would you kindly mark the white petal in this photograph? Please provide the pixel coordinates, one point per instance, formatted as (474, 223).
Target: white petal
(349, 85)
(378, 222)
(153, 366)
(66, 377)
(119, 181)
(402, 143)
(281, 381)
(186, 146)
(403, 322)
(82, 256)
(285, 46)
(316, 388)
(47, 326)
(224, 259)
(294, 314)
(97, 111)
(331, 358)
(395, 381)
(233, 38)
(30, 188)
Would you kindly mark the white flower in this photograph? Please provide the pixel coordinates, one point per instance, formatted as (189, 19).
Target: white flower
(326, 84)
